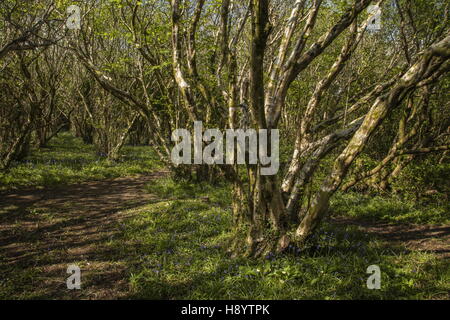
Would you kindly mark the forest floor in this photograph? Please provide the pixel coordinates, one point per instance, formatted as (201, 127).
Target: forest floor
(147, 237)
(47, 230)
(427, 238)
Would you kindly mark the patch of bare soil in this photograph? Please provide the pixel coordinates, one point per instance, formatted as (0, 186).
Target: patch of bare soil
(429, 238)
(42, 232)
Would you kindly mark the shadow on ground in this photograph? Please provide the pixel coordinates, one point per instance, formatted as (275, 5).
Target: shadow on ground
(430, 238)
(42, 232)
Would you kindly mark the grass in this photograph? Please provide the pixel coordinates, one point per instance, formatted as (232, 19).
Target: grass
(179, 252)
(68, 160)
(175, 247)
(166, 188)
(388, 209)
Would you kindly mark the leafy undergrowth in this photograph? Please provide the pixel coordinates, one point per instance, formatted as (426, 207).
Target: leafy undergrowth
(176, 249)
(167, 188)
(391, 210)
(68, 160)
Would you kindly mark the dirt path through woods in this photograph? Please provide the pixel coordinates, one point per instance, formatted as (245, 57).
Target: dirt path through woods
(42, 232)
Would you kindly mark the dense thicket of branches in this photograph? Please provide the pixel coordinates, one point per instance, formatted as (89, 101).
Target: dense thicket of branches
(138, 70)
